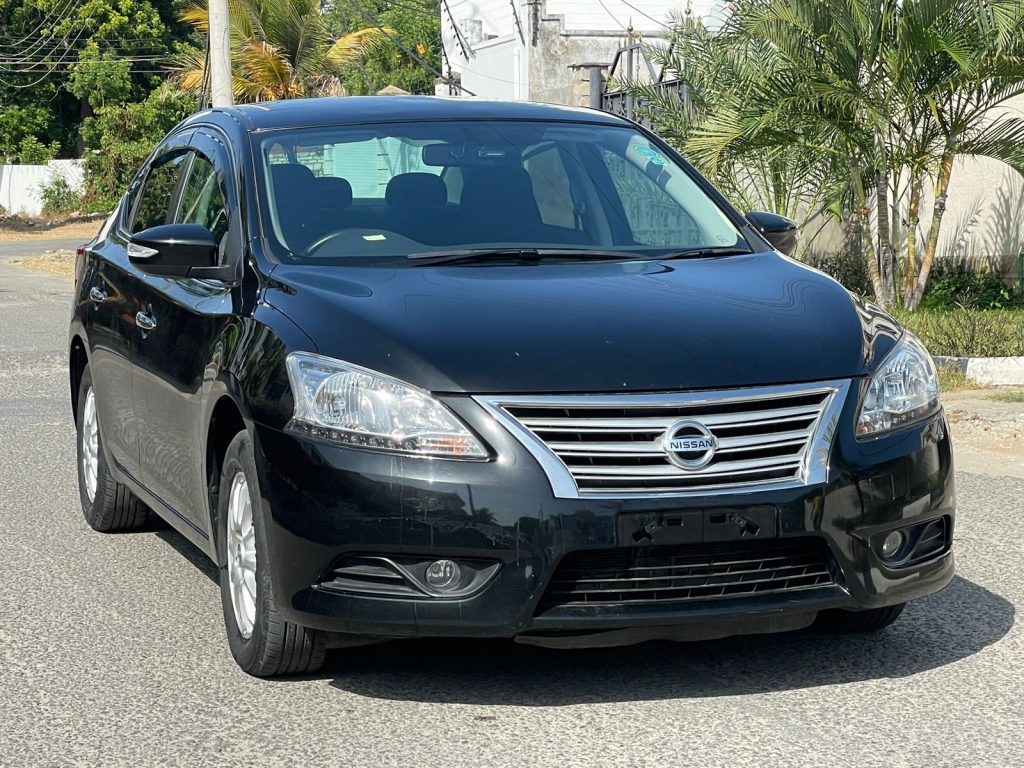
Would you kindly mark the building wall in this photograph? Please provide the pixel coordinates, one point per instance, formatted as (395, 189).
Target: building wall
(984, 221)
(19, 184)
(534, 61)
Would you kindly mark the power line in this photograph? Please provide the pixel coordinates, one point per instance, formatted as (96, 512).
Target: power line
(49, 72)
(33, 48)
(645, 15)
(375, 23)
(68, 6)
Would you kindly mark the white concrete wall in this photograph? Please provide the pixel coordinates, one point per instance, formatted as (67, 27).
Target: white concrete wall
(984, 220)
(19, 184)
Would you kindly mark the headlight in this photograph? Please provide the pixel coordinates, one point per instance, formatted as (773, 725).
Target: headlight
(347, 404)
(903, 390)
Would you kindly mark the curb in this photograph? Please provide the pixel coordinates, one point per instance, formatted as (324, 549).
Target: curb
(994, 371)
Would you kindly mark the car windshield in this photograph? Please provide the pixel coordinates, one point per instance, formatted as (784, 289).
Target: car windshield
(385, 192)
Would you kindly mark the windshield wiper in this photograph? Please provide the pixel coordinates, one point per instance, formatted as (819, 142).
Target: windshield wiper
(705, 253)
(528, 255)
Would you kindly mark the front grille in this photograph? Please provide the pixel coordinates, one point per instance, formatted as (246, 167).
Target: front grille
(688, 572)
(615, 445)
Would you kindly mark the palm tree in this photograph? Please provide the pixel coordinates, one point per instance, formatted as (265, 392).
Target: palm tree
(960, 63)
(889, 92)
(279, 50)
(722, 82)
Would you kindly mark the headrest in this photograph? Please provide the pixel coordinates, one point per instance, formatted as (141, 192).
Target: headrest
(416, 189)
(336, 191)
(289, 178)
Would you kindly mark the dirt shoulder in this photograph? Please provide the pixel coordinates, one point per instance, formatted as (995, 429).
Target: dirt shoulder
(20, 232)
(60, 262)
(987, 426)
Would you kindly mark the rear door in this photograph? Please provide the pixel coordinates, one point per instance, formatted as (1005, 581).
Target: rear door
(111, 298)
(176, 355)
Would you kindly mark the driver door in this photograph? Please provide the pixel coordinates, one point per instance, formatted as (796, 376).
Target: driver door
(176, 356)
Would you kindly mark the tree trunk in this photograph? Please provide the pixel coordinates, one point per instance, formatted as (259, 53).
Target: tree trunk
(84, 110)
(885, 254)
(913, 217)
(860, 218)
(938, 210)
(871, 257)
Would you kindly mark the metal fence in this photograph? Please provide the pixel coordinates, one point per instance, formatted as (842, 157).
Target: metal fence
(632, 63)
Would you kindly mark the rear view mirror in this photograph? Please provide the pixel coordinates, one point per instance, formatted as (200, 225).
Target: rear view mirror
(449, 155)
(174, 250)
(778, 230)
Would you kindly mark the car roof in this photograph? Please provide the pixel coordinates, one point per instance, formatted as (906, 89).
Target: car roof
(352, 110)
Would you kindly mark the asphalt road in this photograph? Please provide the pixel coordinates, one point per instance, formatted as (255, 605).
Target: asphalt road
(112, 649)
(22, 248)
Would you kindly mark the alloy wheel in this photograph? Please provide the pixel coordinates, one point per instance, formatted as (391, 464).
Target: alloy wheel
(90, 445)
(241, 551)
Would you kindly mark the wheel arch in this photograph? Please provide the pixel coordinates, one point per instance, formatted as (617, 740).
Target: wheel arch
(78, 359)
(226, 421)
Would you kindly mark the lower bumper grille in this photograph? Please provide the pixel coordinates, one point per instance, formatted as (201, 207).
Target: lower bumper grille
(688, 572)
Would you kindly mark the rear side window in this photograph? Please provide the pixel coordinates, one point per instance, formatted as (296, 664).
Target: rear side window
(158, 192)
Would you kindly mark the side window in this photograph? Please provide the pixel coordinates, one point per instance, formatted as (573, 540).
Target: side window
(202, 199)
(653, 216)
(551, 187)
(154, 206)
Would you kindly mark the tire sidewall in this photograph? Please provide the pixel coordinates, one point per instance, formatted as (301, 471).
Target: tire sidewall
(92, 509)
(240, 458)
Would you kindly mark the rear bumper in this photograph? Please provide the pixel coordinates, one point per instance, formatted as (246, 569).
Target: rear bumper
(325, 502)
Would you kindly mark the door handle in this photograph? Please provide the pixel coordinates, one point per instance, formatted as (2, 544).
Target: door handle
(145, 321)
(98, 295)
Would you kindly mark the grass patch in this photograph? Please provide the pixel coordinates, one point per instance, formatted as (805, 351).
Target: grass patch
(968, 332)
(1008, 396)
(952, 379)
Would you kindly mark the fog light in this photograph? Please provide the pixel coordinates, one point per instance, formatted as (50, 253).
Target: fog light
(892, 544)
(444, 574)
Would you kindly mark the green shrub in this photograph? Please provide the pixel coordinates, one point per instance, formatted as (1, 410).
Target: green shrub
(961, 286)
(848, 268)
(121, 137)
(59, 196)
(968, 332)
(31, 151)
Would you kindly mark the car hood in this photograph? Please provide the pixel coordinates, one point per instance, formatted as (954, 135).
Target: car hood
(587, 327)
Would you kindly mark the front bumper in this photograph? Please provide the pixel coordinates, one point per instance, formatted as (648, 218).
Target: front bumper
(325, 502)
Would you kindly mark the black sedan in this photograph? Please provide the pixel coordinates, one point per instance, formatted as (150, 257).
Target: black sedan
(409, 367)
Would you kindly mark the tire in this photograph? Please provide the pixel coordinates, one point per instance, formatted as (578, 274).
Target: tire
(871, 620)
(107, 504)
(262, 642)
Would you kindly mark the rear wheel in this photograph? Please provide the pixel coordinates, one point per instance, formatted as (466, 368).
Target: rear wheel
(262, 642)
(870, 620)
(106, 503)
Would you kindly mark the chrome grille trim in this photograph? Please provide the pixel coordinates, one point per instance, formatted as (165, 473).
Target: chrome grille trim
(578, 452)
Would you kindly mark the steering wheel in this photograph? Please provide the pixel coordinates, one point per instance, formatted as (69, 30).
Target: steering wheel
(360, 239)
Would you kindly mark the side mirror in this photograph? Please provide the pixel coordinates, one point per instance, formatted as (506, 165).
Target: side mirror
(777, 230)
(174, 250)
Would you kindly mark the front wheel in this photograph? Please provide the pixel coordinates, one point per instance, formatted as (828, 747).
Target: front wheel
(107, 504)
(870, 620)
(262, 642)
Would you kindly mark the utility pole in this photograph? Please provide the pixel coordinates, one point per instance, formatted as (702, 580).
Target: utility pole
(220, 54)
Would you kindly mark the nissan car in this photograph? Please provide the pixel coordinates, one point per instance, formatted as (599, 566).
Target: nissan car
(421, 367)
